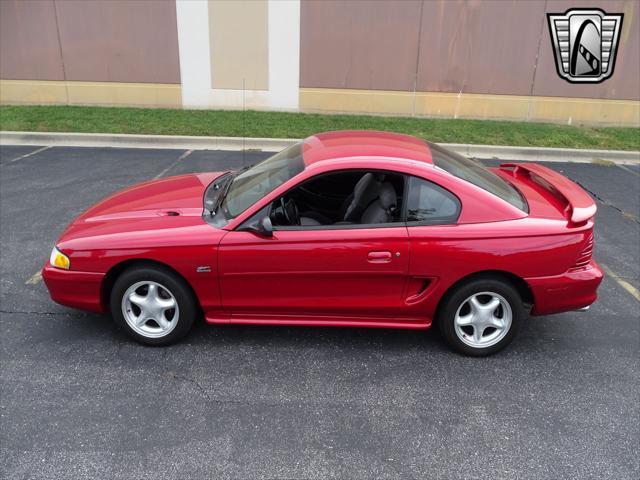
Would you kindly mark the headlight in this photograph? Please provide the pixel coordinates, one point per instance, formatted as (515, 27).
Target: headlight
(59, 259)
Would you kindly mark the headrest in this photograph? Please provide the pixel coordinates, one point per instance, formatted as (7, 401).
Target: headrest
(364, 182)
(387, 196)
(368, 179)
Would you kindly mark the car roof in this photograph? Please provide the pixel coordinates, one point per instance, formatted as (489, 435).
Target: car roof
(347, 144)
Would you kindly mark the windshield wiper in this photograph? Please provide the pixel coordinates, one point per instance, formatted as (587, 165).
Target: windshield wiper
(223, 193)
(211, 204)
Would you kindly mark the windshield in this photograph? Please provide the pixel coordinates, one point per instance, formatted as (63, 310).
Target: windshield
(246, 187)
(474, 172)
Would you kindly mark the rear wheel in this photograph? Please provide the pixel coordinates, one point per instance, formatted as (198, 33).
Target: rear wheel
(153, 305)
(481, 317)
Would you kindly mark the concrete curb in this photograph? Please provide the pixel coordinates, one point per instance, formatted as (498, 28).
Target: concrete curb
(143, 141)
(530, 154)
(540, 154)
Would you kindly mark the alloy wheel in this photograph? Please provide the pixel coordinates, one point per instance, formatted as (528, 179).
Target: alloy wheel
(483, 319)
(150, 309)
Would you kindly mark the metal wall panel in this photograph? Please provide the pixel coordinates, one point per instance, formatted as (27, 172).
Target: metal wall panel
(359, 44)
(479, 46)
(499, 47)
(29, 46)
(116, 41)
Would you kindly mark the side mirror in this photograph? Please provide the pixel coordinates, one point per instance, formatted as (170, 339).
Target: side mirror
(261, 226)
(265, 227)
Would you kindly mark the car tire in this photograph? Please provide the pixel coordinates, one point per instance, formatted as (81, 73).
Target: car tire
(481, 317)
(153, 305)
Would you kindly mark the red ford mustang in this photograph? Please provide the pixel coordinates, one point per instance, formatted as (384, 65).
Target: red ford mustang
(366, 229)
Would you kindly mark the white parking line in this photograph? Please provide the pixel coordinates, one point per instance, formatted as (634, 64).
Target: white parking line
(179, 159)
(623, 283)
(29, 154)
(627, 169)
(34, 279)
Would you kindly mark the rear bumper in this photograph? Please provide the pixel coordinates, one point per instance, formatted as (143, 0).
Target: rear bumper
(572, 290)
(74, 289)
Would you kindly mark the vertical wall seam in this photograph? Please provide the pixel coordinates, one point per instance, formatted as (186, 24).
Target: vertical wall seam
(180, 66)
(415, 78)
(64, 72)
(535, 65)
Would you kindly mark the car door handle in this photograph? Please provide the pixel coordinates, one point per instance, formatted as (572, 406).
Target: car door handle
(379, 257)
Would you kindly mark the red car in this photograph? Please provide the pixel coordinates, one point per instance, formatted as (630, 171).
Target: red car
(360, 229)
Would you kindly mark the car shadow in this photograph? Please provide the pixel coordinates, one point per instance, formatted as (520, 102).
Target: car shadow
(533, 337)
(286, 336)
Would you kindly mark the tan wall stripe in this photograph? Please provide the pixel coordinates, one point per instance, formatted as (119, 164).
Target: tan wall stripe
(452, 105)
(239, 40)
(90, 93)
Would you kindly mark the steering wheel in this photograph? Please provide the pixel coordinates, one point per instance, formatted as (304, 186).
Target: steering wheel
(290, 211)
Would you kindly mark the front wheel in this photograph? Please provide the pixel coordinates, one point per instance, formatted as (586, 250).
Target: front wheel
(153, 305)
(481, 317)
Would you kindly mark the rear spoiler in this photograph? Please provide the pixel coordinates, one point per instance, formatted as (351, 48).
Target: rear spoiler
(581, 206)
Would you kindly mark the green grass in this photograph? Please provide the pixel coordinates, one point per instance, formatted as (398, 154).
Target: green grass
(298, 125)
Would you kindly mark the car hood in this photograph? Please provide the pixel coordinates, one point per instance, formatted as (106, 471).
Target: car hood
(181, 194)
(148, 212)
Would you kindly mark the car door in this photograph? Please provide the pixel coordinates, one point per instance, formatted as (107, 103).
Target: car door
(432, 214)
(310, 274)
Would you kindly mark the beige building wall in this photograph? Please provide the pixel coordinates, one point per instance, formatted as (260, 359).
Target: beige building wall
(488, 59)
(239, 43)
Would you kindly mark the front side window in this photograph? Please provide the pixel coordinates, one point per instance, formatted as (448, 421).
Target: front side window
(430, 204)
(474, 172)
(345, 199)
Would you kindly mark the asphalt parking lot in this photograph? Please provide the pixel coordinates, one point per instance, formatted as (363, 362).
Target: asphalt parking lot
(79, 400)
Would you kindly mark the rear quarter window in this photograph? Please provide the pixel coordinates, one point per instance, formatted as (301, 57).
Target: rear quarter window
(430, 204)
(474, 172)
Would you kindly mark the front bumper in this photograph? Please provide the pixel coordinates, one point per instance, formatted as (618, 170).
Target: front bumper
(74, 289)
(573, 290)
